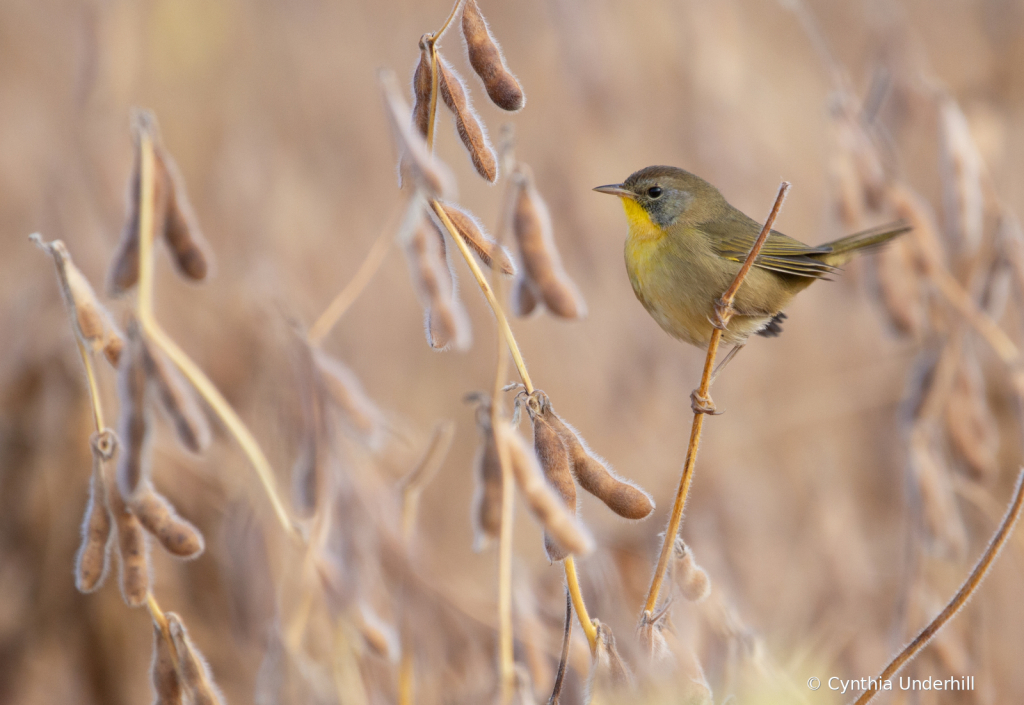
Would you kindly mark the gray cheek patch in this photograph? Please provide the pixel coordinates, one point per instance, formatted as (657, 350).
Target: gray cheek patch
(665, 210)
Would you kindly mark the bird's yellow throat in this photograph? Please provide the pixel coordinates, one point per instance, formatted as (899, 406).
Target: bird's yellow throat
(644, 235)
(641, 227)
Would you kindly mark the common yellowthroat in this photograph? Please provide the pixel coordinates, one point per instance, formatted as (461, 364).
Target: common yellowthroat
(686, 244)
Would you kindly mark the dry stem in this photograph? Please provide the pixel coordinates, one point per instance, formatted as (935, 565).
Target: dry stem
(504, 329)
(506, 658)
(960, 599)
(94, 391)
(488, 292)
(506, 332)
(202, 384)
(406, 678)
(347, 296)
(423, 473)
(725, 311)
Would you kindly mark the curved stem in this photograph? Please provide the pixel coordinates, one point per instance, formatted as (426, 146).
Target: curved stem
(223, 409)
(725, 311)
(962, 596)
(206, 388)
(563, 659)
(578, 604)
(436, 36)
(347, 296)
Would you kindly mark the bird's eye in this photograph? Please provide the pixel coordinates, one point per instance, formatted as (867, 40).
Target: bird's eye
(654, 191)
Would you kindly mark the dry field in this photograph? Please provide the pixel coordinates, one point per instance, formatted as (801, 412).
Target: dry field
(866, 458)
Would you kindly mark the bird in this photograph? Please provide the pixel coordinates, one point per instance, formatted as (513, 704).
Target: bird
(686, 244)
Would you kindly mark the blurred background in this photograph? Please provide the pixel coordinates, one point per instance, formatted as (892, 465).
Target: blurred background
(805, 510)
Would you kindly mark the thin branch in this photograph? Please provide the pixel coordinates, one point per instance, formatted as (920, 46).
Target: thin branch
(234, 423)
(347, 296)
(488, 292)
(147, 174)
(517, 357)
(573, 585)
(962, 596)
(94, 390)
(563, 660)
(420, 476)
(506, 656)
(436, 36)
(202, 384)
(724, 310)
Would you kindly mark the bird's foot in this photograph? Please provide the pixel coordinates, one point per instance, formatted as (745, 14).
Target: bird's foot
(703, 404)
(720, 315)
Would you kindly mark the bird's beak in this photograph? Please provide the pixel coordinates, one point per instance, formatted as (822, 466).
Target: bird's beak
(616, 190)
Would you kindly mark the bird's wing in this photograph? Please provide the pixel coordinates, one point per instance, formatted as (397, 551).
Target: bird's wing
(733, 237)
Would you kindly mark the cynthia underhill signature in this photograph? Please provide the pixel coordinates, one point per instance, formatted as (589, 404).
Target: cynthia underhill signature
(902, 683)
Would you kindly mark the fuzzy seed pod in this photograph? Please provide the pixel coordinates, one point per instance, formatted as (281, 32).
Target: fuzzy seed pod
(544, 502)
(488, 493)
(134, 422)
(622, 497)
(554, 459)
(124, 269)
(163, 675)
(93, 557)
(177, 398)
(179, 537)
(429, 175)
(531, 224)
(651, 636)
(445, 319)
(961, 170)
(422, 85)
(113, 347)
(133, 550)
(693, 580)
(467, 122)
(91, 321)
(474, 235)
(524, 296)
(608, 672)
(195, 672)
(345, 393)
(486, 59)
(188, 247)
(173, 217)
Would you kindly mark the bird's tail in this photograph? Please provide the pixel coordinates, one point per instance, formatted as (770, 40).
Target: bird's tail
(844, 248)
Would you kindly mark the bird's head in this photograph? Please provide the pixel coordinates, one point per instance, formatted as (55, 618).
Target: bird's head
(665, 195)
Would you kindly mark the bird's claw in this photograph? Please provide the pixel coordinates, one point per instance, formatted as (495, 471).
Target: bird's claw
(720, 315)
(703, 405)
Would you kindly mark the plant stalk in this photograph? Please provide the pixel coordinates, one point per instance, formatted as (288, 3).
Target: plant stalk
(725, 312)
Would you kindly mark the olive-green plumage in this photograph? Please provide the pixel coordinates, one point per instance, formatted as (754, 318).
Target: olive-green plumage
(686, 245)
